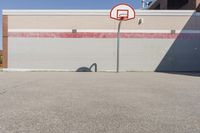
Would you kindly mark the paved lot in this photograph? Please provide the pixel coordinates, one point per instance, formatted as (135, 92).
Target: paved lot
(54, 102)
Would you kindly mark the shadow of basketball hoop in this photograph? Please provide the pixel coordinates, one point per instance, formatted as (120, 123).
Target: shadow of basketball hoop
(88, 69)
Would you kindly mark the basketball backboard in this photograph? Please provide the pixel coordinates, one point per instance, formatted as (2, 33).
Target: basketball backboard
(122, 12)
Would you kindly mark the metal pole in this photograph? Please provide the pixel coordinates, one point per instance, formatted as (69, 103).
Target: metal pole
(143, 4)
(118, 44)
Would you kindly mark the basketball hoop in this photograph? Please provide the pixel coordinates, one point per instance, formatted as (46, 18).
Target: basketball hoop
(121, 12)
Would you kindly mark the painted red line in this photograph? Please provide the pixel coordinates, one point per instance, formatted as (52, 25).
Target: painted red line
(102, 35)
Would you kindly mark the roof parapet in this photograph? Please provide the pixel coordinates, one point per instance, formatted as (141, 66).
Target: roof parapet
(97, 12)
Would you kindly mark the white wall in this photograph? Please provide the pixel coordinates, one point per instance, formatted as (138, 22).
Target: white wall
(67, 54)
(147, 53)
(135, 54)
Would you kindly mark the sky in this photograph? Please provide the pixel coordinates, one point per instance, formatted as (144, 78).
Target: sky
(61, 4)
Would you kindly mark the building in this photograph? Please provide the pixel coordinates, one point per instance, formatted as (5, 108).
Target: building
(1, 58)
(176, 4)
(65, 40)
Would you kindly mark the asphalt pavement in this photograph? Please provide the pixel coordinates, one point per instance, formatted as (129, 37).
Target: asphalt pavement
(69, 102)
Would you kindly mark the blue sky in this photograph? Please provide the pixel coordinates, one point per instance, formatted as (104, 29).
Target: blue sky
(62, 4)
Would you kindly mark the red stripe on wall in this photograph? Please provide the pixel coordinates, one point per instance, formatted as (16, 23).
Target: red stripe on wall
(102, 35)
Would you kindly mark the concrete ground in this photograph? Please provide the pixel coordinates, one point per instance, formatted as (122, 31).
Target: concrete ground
(61, 102)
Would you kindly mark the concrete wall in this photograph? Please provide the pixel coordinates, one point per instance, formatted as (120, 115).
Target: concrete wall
(135, 54)
(43, 41)
(69, 54)
(165, 22)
